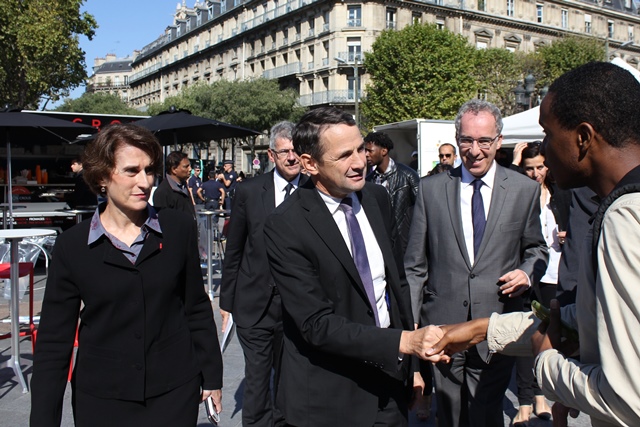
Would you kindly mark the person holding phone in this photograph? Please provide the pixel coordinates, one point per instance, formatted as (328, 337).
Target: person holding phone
(148, 351)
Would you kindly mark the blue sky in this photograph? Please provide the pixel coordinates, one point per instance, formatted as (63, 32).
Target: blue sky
(124, 26)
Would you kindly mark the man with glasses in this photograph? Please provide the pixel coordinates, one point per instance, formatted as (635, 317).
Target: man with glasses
(496, 252)
(247, 289)
(447, 154)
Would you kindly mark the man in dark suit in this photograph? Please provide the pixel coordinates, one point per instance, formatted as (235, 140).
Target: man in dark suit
(347, 323)
(496, 253)
(247, 289)
(172, 192)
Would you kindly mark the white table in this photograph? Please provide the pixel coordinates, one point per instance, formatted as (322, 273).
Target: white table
(14, 237)
(209, 227)
(5, 208)
(77, 212)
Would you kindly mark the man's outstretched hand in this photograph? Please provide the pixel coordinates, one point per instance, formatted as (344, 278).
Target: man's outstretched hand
(457, 338)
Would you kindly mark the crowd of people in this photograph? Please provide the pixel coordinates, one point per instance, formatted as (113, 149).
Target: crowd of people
(356, 286)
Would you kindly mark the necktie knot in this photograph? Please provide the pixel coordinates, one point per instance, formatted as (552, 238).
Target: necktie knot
(288, 190)
(477, 184)
(347, 204)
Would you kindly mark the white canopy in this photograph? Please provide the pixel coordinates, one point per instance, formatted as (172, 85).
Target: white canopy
(522, 127)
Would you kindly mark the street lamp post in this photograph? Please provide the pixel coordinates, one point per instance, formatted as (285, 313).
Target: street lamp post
(356, 82)
(622, 46)
(526, 93)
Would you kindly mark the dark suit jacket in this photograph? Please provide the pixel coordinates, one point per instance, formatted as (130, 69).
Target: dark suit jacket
(167, 197)
(336, 363)
(145, 328)
(444, 284)
(247, 283)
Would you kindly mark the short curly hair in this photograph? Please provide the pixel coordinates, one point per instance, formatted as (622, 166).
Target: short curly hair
(602, 94)
(99, 159)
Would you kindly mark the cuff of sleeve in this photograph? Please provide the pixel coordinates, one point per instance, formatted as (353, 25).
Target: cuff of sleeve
(539, 362)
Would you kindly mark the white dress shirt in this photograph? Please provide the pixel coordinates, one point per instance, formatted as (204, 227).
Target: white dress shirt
(374, 254)
(466, 193)
(280, 184)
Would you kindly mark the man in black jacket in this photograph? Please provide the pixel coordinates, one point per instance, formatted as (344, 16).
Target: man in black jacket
(400, 181)
(172, 192)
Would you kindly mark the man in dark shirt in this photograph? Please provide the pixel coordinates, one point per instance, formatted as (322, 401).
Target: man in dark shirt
(229, 180)
(172, 192)
(82, 196)
(194, 183)
(212, 191)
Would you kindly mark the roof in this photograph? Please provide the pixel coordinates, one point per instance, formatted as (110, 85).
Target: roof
(116, 66)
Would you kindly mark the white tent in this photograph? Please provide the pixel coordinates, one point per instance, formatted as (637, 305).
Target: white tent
(522, 127)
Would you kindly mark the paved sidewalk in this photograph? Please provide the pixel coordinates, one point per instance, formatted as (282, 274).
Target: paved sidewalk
(15, 406)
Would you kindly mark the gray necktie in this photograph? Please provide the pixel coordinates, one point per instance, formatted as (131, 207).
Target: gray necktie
(288, 190)
(359, 253)
(477, 213)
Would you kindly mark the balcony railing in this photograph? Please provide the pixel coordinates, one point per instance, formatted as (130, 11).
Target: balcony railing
(327, 97)
(283, 70)
(354, 22)
(351, 56)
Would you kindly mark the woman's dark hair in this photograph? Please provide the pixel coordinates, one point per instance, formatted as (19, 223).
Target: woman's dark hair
(99, 158)
(532, 151)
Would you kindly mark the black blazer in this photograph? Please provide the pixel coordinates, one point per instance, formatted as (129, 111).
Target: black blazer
(247, 284)
(336, 363)
(145, 328)
(166, 197)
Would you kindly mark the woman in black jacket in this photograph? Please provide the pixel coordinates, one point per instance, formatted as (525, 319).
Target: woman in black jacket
(147, 345)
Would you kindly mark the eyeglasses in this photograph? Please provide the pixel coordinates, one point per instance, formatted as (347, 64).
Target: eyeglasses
(447, 156)
(483, 143)
(284, 153)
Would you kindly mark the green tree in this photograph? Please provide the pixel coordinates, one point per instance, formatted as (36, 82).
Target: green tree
(40, 54)
(97, 103)
(419, 71)
(497, 74)
(566, 54)
(255, 104)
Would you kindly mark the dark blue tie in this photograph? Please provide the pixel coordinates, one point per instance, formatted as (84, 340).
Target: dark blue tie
(359, 253)
(287, 190)
(477, 213)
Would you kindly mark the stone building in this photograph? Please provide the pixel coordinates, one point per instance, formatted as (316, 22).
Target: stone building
(316, 46)
(111, 75)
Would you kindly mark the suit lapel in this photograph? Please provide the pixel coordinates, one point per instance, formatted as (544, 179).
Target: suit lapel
(319, 218)
(498, 196)
(152, 245)
(452, 189)
(269, 195)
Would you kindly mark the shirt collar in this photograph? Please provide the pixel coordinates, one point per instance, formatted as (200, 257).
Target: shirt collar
(333, 204)
(96, 229)
(175, 185)
(487, 179)
(281, 183)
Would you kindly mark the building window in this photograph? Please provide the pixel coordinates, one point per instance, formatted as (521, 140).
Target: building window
(482, 6)
(587, 23)
(352, 86)
(312, 27)
(416, 18)
(481, 44)
(223, 6)
(565, 19)
(126, 80)
(354, 16)
(627, 4)
(630, 32)
(610, 29)
(199, 18)
(510, 7)
(210, 12)
(540, 13)
(188, 25)
(391, 18)
(178, 30)
(440, 24)
(354, 45)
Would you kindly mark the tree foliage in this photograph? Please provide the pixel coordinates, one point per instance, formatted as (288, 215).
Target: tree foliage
(566, 54)
(419, 71)
(97, 103)
(497, 73)
(40, 53)
(255, 104)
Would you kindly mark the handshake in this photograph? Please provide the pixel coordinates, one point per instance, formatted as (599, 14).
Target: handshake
(438, 343)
